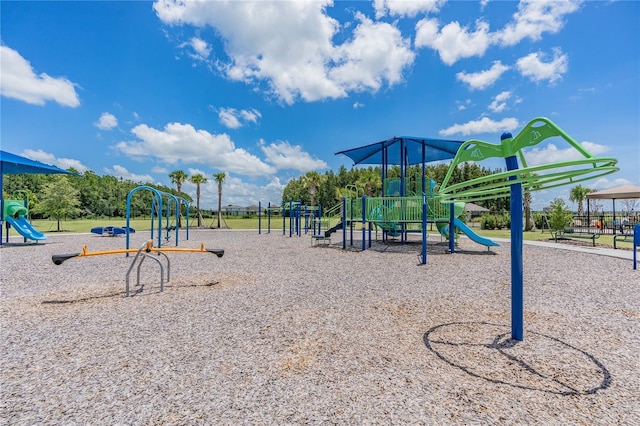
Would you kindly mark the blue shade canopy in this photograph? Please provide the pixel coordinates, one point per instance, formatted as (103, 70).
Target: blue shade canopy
(390, 151)
(11, 164)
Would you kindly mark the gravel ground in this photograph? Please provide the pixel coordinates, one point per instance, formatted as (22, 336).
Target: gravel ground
(280, 332)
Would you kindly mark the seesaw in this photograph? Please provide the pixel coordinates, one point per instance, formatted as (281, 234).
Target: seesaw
(143, 252)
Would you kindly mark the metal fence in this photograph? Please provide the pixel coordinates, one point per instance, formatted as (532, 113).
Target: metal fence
(605, 223)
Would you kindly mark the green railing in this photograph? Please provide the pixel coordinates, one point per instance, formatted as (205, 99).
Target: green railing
(331, 217)
(387, 210)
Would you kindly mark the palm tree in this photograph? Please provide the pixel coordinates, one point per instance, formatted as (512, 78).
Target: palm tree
(177, 178)
(312, 180)
(371, 181)
(198, 179)
(527, 198)
(219, 178)
(578, 194)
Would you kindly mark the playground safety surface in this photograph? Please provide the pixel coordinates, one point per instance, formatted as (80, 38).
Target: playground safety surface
(280, 332)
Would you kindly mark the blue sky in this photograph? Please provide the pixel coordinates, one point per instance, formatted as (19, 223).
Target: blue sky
(267, 91)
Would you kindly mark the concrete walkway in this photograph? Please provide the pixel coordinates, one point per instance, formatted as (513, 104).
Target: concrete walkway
(621, 254)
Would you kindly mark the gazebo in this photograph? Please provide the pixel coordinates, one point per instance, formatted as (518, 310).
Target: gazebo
(624, 192)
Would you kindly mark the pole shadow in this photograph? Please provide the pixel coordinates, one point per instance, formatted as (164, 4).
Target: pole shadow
(541, 363)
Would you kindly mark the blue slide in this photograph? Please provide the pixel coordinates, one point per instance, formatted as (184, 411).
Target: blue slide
(469, 233)
(25, 229)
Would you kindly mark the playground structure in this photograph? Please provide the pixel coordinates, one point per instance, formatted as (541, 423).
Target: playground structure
(157, 212)
(111, 231)
(394, 216)
(15, 214)
(11, 164)
(397, 214)
(298, 216)
(141, 254)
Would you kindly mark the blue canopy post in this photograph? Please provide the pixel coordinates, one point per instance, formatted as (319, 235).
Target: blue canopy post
(364, 222)
(424, 229)
(452, 228)
(517, 265)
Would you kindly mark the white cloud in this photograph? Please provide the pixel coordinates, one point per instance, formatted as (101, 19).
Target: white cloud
(178, 143)
(535, 17)
(121, 172)
(376, 53)
(358, 105)
(286, 156)
(604, 183)
(106, 121)
(160, 170)
(453, 42)
(286, 48)
(462, 105)
(229, 118)
(251, 115)
(533, 67)
(483, 125)
(581, 92)
(201, 48)
(19, 81)
(48, 158)
(483, 79)
(406, 8)
(233, 118)
(500, 101)
(236, 191)
(550, 153)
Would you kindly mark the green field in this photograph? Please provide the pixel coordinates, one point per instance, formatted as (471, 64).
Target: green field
(85, 225)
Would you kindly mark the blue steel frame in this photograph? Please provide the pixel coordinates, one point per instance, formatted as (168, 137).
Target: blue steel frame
(157, 198)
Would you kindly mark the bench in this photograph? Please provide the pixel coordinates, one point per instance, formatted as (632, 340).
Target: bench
(622, 237)
(320, 240)
(569, 233)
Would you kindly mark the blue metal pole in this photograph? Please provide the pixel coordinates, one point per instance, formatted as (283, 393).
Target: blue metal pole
(259, 217)
(452, 229)
(268, 217)
(2, 206)
(351, 221)
(344, 223)
(517, 282)
(299, 219)
(424, 230)
(636, 243)
(291, 213)
(186, 203)
(364, 222)
(128, 217)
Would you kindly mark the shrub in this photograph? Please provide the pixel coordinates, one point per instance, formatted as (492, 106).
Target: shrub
(560, 215)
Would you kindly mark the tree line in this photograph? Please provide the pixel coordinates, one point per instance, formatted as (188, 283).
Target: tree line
(91, 196)
(328, 189)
